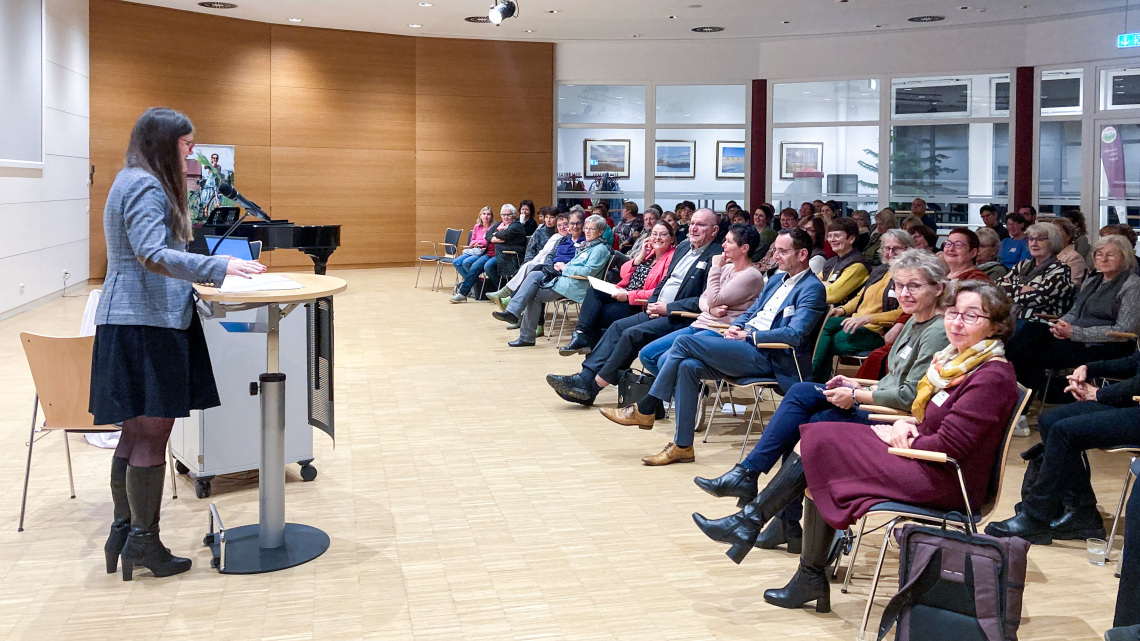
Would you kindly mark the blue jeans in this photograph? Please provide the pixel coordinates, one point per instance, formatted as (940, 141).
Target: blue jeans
(463, 263)
(474, 269)
(654, 354)
(689, 362)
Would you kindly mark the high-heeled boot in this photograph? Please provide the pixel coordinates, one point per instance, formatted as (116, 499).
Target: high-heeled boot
(779, 532)
(143, 547)
(741, 529)
(810, 581)
(121, 526)
(739, 482)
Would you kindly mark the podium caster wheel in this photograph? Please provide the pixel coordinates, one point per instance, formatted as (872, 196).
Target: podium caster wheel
(208, 540)
(215, 562)
(180, 468)
(202, 489)
(308, 473)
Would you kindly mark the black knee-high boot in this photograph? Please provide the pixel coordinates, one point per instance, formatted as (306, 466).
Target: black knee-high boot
(121, 526)
(741, 529)
(143, 547)
(810, 581)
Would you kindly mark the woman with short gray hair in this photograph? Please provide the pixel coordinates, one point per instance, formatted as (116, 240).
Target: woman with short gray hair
(1042, 286)
(989, 245)
(506, 243)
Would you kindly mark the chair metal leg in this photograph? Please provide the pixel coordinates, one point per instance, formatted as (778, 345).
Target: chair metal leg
(1120, 508)
(878, 571)
(854, 553)
(717, 403)
(173, 472)
(67, 449)
(28, 469)
(419, 266)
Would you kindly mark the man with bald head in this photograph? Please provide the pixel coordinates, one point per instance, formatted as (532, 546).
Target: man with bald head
(679, 291)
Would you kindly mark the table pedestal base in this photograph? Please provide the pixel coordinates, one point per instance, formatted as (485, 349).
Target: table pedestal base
(243, 555)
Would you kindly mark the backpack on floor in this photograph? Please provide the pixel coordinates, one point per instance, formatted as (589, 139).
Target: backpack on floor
(956, 586)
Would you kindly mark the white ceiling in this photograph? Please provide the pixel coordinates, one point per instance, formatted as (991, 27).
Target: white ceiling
(621, 19)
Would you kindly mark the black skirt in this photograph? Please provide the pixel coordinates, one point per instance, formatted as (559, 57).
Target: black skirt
(140, 370)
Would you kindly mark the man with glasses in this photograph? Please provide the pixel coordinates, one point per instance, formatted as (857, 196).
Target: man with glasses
(679, 291)
(990, 219)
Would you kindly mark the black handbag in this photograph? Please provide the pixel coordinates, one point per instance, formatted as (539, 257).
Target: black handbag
(633, 386)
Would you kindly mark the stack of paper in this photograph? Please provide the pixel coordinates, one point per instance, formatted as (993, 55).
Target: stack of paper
(257, 283)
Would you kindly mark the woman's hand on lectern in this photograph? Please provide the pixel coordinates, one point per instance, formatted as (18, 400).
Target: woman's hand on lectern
(243, 268)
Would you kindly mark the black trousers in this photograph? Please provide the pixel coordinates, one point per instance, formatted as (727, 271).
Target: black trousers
(624, 339)
(1128, 594)
(598, 312)
(1068, 431)
(1033, 349)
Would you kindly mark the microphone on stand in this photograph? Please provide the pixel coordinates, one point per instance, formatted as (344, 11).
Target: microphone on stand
(228, 191)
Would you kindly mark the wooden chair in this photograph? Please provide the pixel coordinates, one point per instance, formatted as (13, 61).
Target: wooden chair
(900, 512)
(61, 371)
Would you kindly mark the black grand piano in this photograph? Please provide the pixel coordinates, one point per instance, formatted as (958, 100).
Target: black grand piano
(316, 241)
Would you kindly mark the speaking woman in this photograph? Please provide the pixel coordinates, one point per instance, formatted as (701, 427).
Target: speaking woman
(150, 364)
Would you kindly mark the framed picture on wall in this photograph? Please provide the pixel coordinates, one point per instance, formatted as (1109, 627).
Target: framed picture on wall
(607, 157)
(675, 159)
(800, 156)
(730, 159)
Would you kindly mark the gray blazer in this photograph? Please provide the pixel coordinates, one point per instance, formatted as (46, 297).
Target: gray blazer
(149, 275)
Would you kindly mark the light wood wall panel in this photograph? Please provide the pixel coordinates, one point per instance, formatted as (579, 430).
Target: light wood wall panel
(359, 129)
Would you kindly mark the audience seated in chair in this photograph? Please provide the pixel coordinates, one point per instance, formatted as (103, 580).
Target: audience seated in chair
(816, 229)
(508, 235)
(639, 278)
(548, 216)
(762, 221)
(680, 291)
(1057, 499)
(1069, 254)
(630, 227)
(989, 246)
(788, 311)
(918, 280)
(1109, 301)
(732, 286)
(1041, 285)
(476, 252)
(960, 251)
(560, 247)
(1126, 231)
(649, 219)
(1015, 248)
(857, 326)
(844, 273)
(962, 408)
(924, 237)
(541, 287)
(884, 220)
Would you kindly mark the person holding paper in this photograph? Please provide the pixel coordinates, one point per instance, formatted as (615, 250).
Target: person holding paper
(150, 363)
(600, 309)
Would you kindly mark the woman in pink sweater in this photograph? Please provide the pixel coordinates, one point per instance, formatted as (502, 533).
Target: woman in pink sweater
(478, 242)
(733, 284)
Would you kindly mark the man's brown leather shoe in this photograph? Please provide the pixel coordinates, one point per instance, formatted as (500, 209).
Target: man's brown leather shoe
(671, 454)
(628, 416)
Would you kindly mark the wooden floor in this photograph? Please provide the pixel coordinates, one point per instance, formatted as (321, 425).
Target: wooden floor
(464, 501)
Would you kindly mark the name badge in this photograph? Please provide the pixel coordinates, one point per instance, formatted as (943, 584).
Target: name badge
(891, 293)
(702, 265)
(940, 398)
(833, 277)
(904, 352)
(788, 311)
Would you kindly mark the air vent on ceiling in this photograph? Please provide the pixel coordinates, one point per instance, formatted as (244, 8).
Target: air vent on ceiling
(218, 5)
(707, 29)
(478, 19)
(926, 19)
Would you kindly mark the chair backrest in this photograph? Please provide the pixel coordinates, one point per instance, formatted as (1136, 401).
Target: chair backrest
(997, 474)
(87, 325)
(451, 241)
(61, 371)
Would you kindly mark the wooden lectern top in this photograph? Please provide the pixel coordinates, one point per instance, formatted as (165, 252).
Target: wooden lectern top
(313, 286)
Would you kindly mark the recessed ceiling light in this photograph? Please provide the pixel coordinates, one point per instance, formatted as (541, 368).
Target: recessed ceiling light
(671, 17)
(926, 19)
(878, 26)
(553, 11)
(530, 31)
(695, 6)
(478, 19)
(218, 5)
(294, 20)
(963, 7)
(639, 35)
(707, 29)
(425, 4)
(415, 26)
(787, 22)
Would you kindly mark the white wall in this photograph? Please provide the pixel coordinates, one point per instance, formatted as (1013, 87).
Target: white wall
(44, 215)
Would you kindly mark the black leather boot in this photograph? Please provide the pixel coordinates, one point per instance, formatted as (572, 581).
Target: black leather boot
(143, 547)
(810, 581)
(780, 532)
(121, 526)
(739, 482)
(740, 530)
(1024, 526)
(578, 341)
(1078, 524)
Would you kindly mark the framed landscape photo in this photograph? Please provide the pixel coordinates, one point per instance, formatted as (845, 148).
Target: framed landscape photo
(730, 159)
(607, 157)
(675, 159)
(800, 156)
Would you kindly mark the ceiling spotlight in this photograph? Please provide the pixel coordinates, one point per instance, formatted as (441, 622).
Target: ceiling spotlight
(786, 22)
(926, 19)
(639, 35)
(294, 20)
(695, 6)
(478, 19)
(415, 26)
(502, 10)
(218, 5)
(707, 29)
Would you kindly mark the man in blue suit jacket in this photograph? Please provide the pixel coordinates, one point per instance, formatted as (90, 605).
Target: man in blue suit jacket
(789, 310)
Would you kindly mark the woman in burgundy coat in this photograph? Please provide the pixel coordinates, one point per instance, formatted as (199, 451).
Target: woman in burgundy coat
(963, 406)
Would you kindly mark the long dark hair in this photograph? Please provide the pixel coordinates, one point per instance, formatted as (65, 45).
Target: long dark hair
(154, 149)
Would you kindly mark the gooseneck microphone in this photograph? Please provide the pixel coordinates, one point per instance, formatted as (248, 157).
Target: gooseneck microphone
(228, 191)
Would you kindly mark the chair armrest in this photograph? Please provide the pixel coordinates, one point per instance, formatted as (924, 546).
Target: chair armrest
(685, 314)
(921, 455)
(1136, 398)
(432, 243)
(773, 346)
(891, 418)
(1128, 335)
(866, 381)
(719, 325)
(579, 277)
(881, 409)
